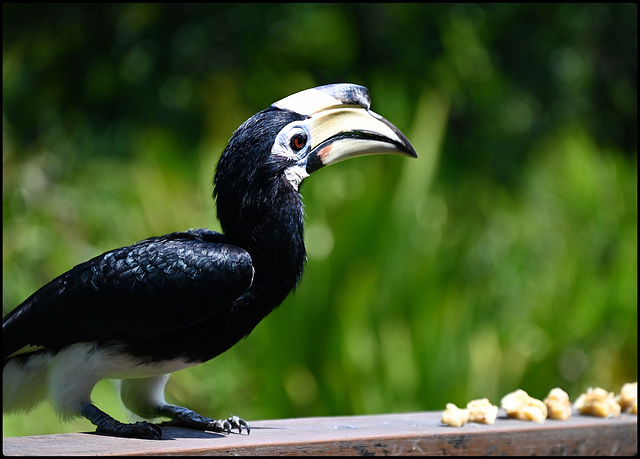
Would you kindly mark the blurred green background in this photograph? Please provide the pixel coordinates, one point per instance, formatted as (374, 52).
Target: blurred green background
(504, 257)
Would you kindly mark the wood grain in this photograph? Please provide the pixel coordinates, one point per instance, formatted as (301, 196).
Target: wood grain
(390, 434)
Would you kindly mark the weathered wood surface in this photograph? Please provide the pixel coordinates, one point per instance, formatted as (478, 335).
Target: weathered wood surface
(391, 434)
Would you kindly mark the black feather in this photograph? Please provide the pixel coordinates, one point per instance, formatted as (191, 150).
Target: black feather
(138, 292)
(168, 302)
(191, 294)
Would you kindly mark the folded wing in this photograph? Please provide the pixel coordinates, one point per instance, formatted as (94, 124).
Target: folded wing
(137, 292)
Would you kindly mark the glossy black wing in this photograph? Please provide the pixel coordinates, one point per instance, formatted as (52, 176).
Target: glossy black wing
(136, 292)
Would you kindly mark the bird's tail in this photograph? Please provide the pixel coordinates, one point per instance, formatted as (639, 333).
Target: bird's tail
(24, 382)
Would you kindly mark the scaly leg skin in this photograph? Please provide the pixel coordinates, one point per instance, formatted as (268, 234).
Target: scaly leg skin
(107, 425)
(184, 417)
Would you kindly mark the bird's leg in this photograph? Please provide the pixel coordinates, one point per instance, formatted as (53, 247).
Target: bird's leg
(107, 425)
(184, 417)
(145, 397)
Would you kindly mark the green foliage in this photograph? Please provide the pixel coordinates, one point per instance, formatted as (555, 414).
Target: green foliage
(504, 257)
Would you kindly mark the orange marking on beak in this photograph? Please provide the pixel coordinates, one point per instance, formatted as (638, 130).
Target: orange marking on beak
(324, 153)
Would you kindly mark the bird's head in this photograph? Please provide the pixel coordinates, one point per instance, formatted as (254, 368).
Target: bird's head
(272, 152)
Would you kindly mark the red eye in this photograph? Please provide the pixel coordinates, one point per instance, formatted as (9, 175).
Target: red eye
(298, 142)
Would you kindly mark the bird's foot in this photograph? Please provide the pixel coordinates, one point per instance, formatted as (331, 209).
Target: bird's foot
(234, 422)
(141, 429)
(107, 425)
(184, 417)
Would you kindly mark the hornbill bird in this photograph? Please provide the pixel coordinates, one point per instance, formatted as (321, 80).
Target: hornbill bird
(140, 312)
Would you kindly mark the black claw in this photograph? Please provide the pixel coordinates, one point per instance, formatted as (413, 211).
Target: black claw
(185, 417)
(143, 429)
(107, 425)
(236, 423)
(157, 429)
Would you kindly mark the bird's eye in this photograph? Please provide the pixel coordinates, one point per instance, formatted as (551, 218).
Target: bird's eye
(298, 141)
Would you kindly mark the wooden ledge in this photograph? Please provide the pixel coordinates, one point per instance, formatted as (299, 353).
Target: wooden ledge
(390, 434)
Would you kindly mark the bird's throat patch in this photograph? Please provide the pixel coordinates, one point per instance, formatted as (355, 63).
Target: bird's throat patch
(295, 175)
